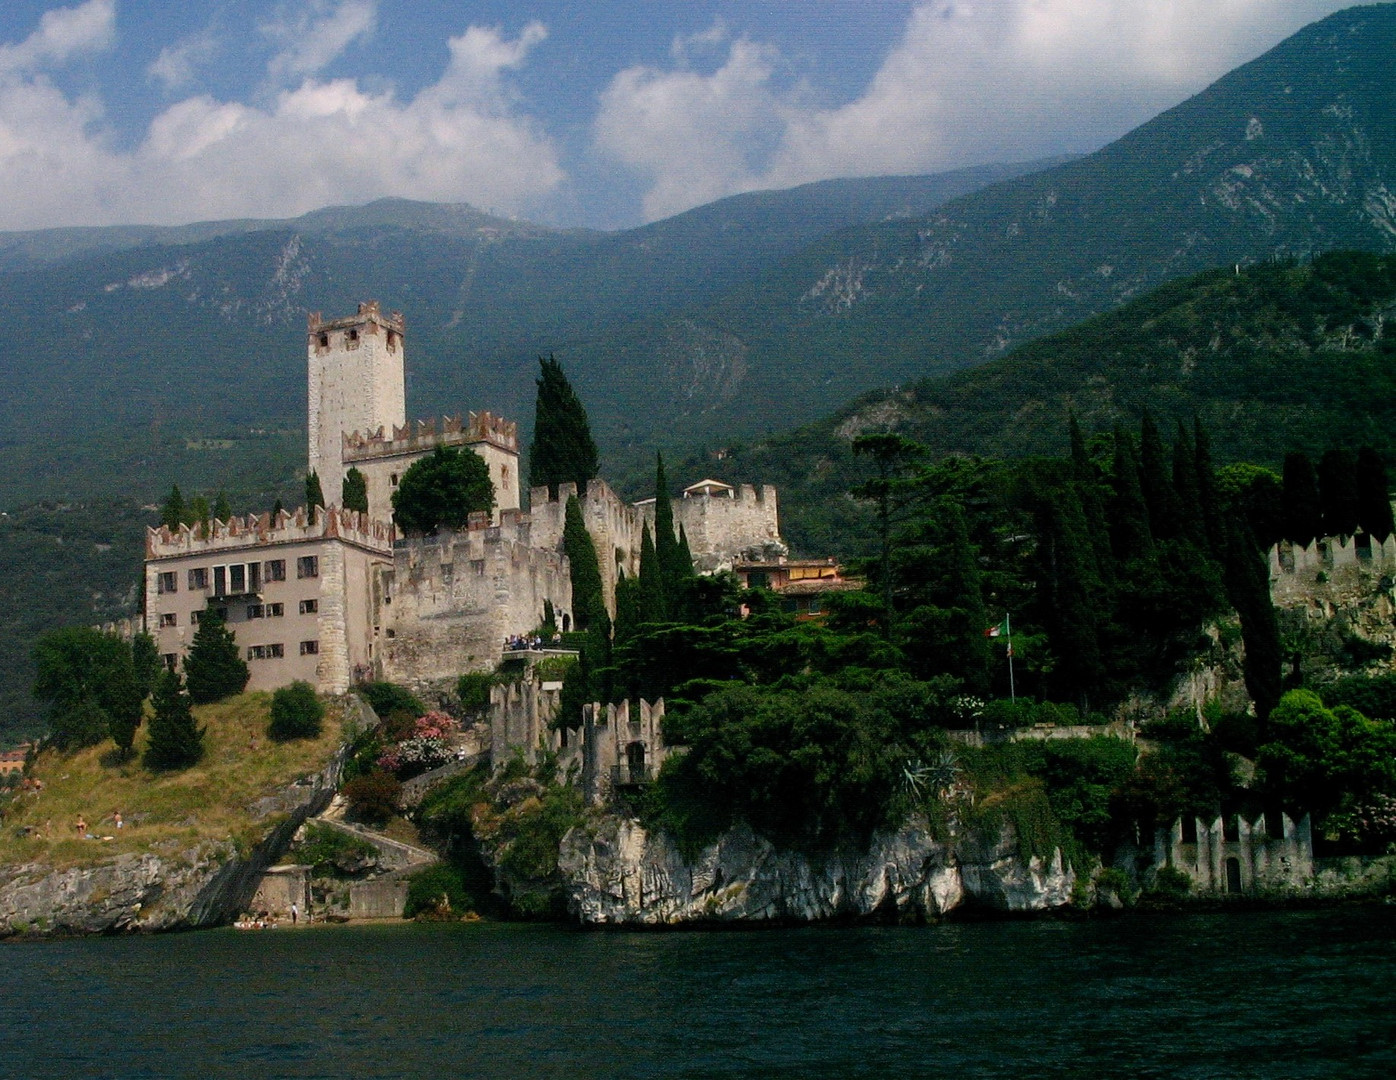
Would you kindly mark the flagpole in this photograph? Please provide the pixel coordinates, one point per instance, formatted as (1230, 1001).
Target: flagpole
(1008, 628)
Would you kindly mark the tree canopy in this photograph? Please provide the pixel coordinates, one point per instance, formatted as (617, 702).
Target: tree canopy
(442, 490)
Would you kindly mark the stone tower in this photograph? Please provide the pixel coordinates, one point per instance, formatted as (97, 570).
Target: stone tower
(356, 384)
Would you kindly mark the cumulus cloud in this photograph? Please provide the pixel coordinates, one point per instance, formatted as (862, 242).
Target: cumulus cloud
(969, 81)
(63, 33)
(178, 64)
(316, 34)
(318, 142)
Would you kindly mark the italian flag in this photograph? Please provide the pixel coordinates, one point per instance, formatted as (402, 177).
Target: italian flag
(1001, 630)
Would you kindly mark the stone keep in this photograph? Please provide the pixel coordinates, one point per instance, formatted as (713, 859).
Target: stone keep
(356, 384)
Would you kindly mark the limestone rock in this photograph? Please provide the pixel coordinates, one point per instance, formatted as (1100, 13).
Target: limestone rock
(618, 873)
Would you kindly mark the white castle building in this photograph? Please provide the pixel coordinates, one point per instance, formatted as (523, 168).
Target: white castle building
(332, 596)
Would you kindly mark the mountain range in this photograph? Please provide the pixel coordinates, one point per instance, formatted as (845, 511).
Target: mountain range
(175, 354)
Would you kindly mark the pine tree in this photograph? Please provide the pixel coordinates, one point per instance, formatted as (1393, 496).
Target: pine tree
(563, 450)
(1337, 492)
(1302, 509)
(354, 492)
(172, 513)
(653, 607)
(214, 667)
(587, 597)
(1129, 514)
(313, 495)
(174, 740)
(1165, 510)
(222, 511)
(1373, 496)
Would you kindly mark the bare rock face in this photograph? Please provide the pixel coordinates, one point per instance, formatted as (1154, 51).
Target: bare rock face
(618, 873)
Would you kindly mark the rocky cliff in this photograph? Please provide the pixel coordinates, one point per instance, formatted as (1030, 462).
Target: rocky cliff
(204, 885)
(618, 873)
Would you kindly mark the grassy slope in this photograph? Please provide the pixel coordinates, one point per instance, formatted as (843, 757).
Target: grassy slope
(164, 812)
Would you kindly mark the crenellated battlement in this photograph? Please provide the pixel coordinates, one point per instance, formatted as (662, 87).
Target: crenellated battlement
(420, 435)
(369, 317)
(261, 530)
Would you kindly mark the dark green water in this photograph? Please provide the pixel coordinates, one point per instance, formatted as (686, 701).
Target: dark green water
(1289, 994)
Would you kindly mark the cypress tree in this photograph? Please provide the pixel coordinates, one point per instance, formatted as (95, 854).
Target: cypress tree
(1337, 492)
(172, 513)
(1302, 510)
(666, 541)
(1165, 510)
(1080, 458)
(174, 740)
(627, 609)
(1373, 496)
(1185, 484)
(1072, 593)
(965, 588)
(276, 508)
(354, 492)
(214, 667)
(587, 597)
(1207, 501)
(652, 602)
(222, 511)
(1129, 514)
(313, 495)
(1247, 578)
(197, 512)
(563, 450)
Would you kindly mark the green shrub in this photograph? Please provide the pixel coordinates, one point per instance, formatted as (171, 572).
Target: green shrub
(373, 796)
(1371, 695)
(296, 713)
(386, 697)
(1170, 883)
(428, 888)
(328, 851)
(473, 689)
(1113, 880)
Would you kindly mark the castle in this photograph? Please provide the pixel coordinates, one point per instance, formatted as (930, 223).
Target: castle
(333, 596)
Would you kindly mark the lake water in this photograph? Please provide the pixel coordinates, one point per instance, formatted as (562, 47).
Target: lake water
(1233, 994)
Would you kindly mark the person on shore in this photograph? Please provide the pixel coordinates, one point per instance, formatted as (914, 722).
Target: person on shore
(295, 913)
(81, 827)
(116, 817)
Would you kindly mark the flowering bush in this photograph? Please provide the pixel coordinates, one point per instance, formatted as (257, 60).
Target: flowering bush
(425, 748)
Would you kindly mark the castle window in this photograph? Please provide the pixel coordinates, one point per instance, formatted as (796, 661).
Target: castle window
(275, 611)
(198, 578)
(276, 651)
(237, 578)
(169, 618)
(478, 565)
(310, 607)
(170, 659)
(324, 341)
(255, 611)
(266, 652)
(308, 566)
(167, 581)
(392, 633)
(392, 341)
(220, 581)
(310, 648)
(275, 570)
(393, 480)
(194, 618)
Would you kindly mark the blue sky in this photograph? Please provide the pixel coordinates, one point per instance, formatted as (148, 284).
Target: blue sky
(602, 113)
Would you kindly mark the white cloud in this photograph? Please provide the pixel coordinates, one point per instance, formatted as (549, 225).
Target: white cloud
(89, 27)
(177, 64)
(318, 33)
(969, 81)
(316, 143)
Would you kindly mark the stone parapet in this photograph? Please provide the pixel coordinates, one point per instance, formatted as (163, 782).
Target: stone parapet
(259, 530)
(413, 438)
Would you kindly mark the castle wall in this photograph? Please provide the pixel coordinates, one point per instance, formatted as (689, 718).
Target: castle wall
(621, 746)
(723, 528)
(355, 383)
(1264, 862)
(453, 598)
(615, 527)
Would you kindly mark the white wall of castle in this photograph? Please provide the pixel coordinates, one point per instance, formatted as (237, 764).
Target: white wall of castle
(726, 527)
(355, 383)
(349, 552)
(615, 527)
(454, 597)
